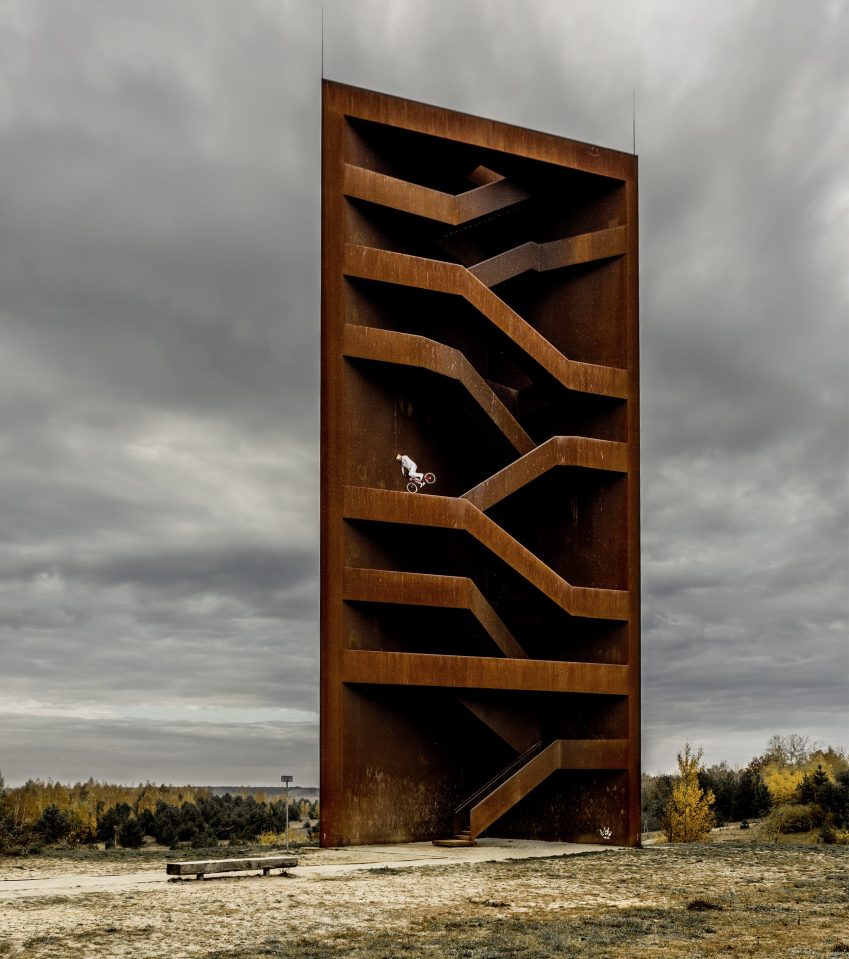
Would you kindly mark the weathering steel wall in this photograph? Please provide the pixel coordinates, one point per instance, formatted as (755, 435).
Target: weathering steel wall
(479, 313)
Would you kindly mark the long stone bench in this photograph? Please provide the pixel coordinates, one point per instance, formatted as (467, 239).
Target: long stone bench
(203, 867)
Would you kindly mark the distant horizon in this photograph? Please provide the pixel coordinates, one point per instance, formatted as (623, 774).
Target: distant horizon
(294, 787)
(815, 743)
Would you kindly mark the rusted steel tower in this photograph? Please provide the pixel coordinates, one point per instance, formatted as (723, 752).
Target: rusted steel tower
(480, 638)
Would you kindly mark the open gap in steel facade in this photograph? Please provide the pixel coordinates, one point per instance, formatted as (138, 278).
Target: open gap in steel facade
(480, 637)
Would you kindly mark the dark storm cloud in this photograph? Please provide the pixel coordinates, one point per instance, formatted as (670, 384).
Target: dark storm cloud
(159, 240)
(144, 151)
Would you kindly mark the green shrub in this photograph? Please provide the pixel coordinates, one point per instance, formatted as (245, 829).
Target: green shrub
(53, 825)
(131, 834)
(111, 821)
(797, 819)
(828, 836)
(787, 819)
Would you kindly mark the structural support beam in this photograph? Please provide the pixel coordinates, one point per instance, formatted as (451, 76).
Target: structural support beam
(448, 208)
(558, 451)
(388, 506)
(478, 672)
(519, 730)
(570, 251)
(440, 277)
(422, 589)
(405, 349)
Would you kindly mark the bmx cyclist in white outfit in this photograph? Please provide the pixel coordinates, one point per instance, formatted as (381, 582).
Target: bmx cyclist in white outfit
(409, 468)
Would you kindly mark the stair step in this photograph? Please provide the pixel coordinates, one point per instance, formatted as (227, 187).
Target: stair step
(455, 843)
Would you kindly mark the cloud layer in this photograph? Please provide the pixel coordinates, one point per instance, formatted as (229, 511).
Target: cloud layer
(159, 288)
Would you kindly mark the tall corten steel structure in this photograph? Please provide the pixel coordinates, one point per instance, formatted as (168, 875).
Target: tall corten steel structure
(480, 638)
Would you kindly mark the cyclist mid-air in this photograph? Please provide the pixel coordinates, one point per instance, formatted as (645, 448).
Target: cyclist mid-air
(408, 467)
(411, 472)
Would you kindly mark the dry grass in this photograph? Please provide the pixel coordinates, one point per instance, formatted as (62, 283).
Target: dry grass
(88, 860)
(775, 901)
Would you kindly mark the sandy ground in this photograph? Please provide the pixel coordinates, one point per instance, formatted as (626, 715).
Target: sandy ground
(45, 875)
(766, 901)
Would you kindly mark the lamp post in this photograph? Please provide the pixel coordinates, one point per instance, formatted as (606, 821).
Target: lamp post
(286, 780)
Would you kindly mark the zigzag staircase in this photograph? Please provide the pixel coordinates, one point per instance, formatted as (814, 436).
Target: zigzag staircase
(463, 834)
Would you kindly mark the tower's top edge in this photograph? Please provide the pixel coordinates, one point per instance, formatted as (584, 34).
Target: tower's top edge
(438, 121)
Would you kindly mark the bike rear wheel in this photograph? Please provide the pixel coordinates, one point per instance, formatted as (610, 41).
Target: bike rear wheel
(430, 477)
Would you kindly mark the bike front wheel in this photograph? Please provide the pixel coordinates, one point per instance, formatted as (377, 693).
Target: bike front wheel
(412, 488)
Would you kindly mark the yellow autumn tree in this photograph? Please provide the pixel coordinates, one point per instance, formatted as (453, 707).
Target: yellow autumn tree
(783, 779)
(688, 816)
(782, 782)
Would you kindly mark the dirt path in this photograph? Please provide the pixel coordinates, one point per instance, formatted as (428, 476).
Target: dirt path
(319, 864)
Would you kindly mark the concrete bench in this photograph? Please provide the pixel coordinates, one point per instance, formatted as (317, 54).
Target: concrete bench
(202, 867)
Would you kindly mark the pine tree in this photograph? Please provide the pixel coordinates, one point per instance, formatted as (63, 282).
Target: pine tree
(812, 786)
(53, 825)
(688, 816)
(753, 798)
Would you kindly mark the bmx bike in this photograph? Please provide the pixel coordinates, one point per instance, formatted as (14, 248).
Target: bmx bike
(414, 485)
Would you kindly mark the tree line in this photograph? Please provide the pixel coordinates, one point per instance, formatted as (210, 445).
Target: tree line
(794, 786)
(40, 814)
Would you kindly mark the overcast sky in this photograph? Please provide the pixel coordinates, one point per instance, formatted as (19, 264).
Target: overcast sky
(159, 332)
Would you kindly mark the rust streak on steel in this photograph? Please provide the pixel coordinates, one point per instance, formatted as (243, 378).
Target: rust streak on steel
(479, 638)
